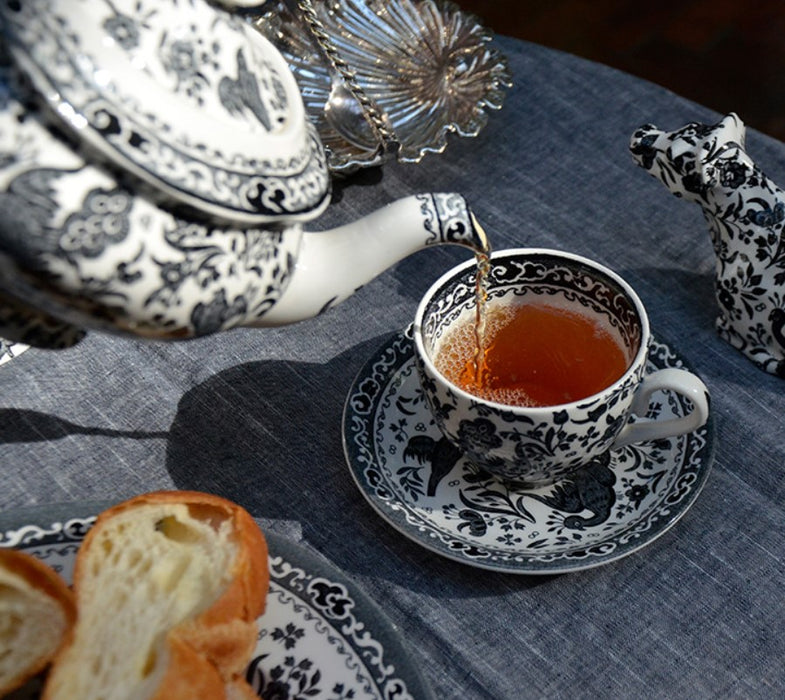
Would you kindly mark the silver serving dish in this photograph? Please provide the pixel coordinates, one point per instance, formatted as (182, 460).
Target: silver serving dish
(387, 79)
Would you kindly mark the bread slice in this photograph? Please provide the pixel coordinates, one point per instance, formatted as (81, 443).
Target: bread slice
(168, 587)
(37, 613)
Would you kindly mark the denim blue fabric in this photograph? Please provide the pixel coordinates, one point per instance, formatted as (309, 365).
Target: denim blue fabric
(255, 415)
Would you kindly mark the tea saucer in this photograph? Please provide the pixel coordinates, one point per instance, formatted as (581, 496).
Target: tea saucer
(465, 514)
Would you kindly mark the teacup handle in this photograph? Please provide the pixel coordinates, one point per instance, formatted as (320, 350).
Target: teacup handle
(680, 381)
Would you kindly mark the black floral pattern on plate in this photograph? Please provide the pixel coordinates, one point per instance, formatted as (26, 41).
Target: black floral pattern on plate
(320, 637)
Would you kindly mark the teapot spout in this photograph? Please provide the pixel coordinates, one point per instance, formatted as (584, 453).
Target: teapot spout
(332, 265)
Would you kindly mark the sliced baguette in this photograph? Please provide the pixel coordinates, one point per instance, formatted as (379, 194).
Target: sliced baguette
(168, 587)
(37, 613)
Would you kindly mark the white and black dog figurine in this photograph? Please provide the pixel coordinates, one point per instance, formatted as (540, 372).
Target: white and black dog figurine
(745, 211)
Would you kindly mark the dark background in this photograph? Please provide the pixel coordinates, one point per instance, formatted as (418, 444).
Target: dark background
(726, 54)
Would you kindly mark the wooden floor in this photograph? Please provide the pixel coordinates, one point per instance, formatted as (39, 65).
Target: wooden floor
(726, 54)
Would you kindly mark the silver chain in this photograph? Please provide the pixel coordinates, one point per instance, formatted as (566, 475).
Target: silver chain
(373, 114)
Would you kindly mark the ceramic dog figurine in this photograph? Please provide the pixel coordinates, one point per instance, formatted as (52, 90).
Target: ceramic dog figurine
(745, 211)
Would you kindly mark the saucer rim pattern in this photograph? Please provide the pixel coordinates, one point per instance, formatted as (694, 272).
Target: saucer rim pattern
(380, 376)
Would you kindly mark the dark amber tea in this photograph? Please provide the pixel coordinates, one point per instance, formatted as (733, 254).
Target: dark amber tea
(532, 354)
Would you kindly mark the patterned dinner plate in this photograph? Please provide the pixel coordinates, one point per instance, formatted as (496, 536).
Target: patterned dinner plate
(320, 636)
(601, 514)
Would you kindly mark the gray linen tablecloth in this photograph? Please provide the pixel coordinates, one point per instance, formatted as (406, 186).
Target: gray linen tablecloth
(255, 415)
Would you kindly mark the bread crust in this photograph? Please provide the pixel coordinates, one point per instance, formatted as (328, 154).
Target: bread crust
(43, 578)
(210, 651)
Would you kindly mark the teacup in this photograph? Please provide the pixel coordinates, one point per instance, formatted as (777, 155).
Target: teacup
(540, 444)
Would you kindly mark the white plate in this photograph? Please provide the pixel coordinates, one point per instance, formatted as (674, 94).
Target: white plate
(9, 350)
(320, 637)
(600, 515)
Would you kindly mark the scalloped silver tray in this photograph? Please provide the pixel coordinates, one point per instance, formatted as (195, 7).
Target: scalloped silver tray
(426, 65)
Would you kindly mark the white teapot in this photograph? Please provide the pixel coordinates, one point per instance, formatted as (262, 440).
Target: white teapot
(161, 186)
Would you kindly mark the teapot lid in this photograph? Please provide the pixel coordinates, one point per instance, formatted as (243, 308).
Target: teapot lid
(187, 97)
